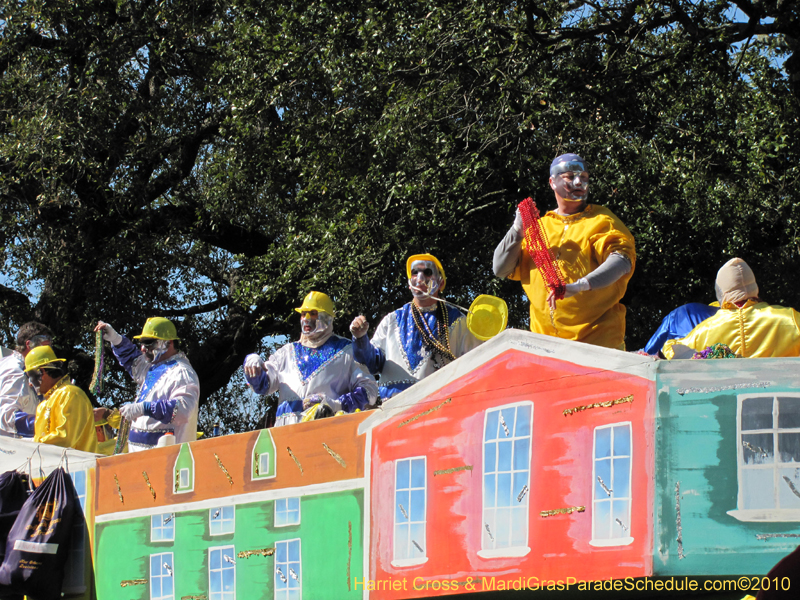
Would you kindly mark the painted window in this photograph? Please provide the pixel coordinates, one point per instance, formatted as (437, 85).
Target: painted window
(287, 512)
(288, 584)
(611, 477)
(263, 461)
(184, 478)
(769, 454)
(410, 487)
(184, 470)
(162, 527)
(74, 581)
(162, 581)
(222, 573)
(506, 480)
(221, 520)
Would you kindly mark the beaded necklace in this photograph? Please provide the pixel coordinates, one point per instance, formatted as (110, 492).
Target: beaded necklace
(430, 340)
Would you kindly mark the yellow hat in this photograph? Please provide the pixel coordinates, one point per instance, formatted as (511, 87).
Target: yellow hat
(158, 328)
(431, 258)
(319, 302)
(39, 357)
(487, 316)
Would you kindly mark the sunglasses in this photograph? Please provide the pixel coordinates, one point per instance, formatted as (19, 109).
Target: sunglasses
(428, 272)
(149, 344)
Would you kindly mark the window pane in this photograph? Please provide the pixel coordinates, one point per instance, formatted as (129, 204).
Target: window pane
(417, 473)
(401, 549)
(519, 529)
(622, 480)
(491, 426)
(489, 490)
(507, 421)
(789, 413)
(227, 578)
(280, 553)
(757, 448)
(403, 476)
(602, 472)
(503, 525)
(602, 442)
(602, 520)
(521, 460)
(490, 457)
(401, 507)
(757, 413)
(523, 426)
(418, 536)
(789, 447)
(622, 440)
(417, 505)
(293, 503)
(504, 489)
(294, 551)
(504, 455)
(620, 525)
(789, 488)
(758, 488)
(520, 481)
(215, 560)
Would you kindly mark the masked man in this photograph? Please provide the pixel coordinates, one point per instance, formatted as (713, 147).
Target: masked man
(418, 338)
(64, 417)
(168, 389)
(319, 369)
(596, 254)
(18, 400)
(749, 327)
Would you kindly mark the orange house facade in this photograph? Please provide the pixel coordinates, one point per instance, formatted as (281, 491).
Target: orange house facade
(528, 464)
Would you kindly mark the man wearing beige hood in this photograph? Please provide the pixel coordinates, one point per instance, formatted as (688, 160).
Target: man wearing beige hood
(749, 327)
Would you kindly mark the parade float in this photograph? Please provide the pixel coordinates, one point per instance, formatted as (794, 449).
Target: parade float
(529, 462)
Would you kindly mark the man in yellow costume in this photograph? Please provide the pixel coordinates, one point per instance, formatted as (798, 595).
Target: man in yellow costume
(64, 418)
(595, 252)
(749, 327)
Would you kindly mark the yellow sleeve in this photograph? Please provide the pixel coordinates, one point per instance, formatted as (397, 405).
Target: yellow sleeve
(68, 417)
(114, 418)
(616, 238)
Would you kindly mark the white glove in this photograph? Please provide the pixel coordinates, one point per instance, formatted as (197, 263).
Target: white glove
(253, 365)
(109, 334)
(518, 222)
(132, 411)
(359, 327)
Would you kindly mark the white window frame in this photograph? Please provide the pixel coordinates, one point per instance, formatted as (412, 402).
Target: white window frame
(161, 559)
(162, 526)
(74, 576)
(418, 560)
(621, 540)
(505, 551)
(283, 594)
(774, 514)
(227, 525)
(224, 565)
(286, 511)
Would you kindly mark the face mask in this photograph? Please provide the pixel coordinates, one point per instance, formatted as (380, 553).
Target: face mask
(425, 280)
(572, 186)
(35, 377)
(155, 349)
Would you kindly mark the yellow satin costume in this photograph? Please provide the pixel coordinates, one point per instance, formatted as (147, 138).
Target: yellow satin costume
(757, 330)
(64, 418)
(581, 243)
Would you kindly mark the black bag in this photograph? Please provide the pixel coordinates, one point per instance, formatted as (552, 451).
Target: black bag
(38, 543)
(13, 493)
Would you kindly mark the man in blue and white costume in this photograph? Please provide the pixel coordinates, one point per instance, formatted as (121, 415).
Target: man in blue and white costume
(168, 391)
(417, 339)
(319, 369)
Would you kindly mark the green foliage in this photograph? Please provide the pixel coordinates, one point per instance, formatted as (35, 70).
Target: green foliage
(212, 161)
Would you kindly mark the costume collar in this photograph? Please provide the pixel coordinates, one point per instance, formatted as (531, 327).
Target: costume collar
(586, 212)
(59, 384)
